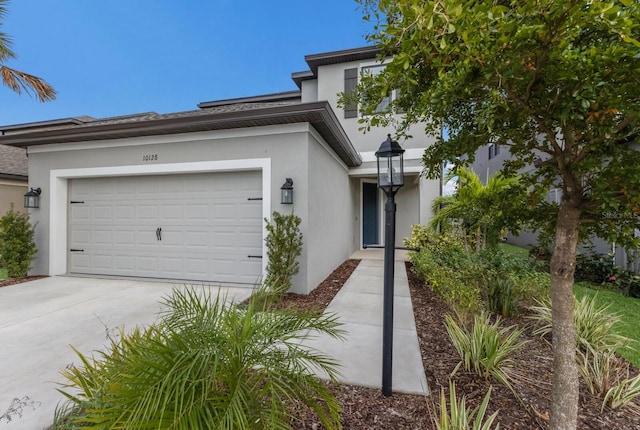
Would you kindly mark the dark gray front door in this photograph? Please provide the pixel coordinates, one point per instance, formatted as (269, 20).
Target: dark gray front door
(369, 213)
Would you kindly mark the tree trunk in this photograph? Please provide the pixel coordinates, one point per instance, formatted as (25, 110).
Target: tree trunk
(565, 395)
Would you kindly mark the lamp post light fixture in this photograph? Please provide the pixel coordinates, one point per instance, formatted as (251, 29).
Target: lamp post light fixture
(32, 198)
(390, 179)
(286, 192)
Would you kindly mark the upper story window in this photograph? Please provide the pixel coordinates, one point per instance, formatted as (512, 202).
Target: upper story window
(494, 150)
(351, 77)
(373, 71)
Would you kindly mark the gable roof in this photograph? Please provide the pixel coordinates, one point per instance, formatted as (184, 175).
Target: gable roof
(13, 163)
(220, 117)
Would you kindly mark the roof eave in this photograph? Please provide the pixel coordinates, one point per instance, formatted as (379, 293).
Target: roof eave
(14, 177)
(318, 114)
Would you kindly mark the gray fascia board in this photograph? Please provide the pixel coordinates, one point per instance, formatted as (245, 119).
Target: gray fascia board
(48, 123)
(329, 127)
(343, 56)
(15, 177)
(299, 77)
(287, 95)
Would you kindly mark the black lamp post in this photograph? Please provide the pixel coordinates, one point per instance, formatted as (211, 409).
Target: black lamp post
(390, 179)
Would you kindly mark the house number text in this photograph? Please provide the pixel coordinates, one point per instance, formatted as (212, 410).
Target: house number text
(149, 157)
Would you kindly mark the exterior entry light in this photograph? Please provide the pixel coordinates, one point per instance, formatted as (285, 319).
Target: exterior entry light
(390, 179)
(286, 192)
(32, 198)
(390, 166)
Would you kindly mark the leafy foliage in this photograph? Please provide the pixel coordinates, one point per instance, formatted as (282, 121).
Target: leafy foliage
(206, 364)
(470, 280)
(502, 298)
(485, 211)
(555, 82)
(284, 246)
(485, 347)
(17, 248)
(600, 269)
(456, 416)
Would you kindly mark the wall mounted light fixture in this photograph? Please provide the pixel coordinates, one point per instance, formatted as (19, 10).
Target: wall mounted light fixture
(286, 192)
(32, 198)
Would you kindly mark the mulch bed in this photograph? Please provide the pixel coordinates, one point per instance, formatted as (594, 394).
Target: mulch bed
(13, 281)
(365, 408)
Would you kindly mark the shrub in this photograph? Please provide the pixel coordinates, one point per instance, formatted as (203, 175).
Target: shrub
(600, 269)
(206, 364)
(17, 248)
(456, 416)
(469, 280)
(449, 271)
(607, 377)
(502, 298)
(623, 393)
(284, 246)
(485, 349)
(594, 325)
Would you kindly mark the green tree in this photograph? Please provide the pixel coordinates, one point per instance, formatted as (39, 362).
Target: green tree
(556, 81)
(207, 364)
(17, 248)
(15, 79)
(484, 210)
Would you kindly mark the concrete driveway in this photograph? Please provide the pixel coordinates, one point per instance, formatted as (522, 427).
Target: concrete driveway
(40, 319)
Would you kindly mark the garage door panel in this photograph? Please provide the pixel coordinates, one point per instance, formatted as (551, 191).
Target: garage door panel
(103, 237)
(125, 264)
(125, 238)
(209, 227)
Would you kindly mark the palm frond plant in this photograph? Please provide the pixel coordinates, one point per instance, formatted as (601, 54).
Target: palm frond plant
(206, 364)
(483, 210)
(16, 80)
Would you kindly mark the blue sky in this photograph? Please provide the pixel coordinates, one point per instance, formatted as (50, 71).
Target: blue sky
(119, 57)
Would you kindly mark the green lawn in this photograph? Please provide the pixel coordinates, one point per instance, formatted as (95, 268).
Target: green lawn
(513, 250)
(629, 310)
(3, 273)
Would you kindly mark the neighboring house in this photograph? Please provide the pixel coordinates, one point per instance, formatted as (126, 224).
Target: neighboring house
(13, 178)
(489, 160)
(183, 196)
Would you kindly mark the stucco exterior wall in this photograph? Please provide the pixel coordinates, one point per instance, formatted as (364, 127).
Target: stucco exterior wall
(281, 151)
(331, 235)
(12, 192)
(330, 84)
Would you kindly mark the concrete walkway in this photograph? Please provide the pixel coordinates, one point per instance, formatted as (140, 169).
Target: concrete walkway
(359, 305)
(40, 319)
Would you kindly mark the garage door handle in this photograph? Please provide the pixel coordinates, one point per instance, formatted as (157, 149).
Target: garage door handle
(159, 233)
(254, 256)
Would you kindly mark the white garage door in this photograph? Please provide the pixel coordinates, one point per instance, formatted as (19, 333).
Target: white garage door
(198, 227)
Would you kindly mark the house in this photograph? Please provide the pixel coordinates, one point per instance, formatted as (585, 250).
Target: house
(489, 160)
(183, 196)
(13, 178)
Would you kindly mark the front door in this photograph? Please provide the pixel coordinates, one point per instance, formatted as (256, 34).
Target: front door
(370, 213)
